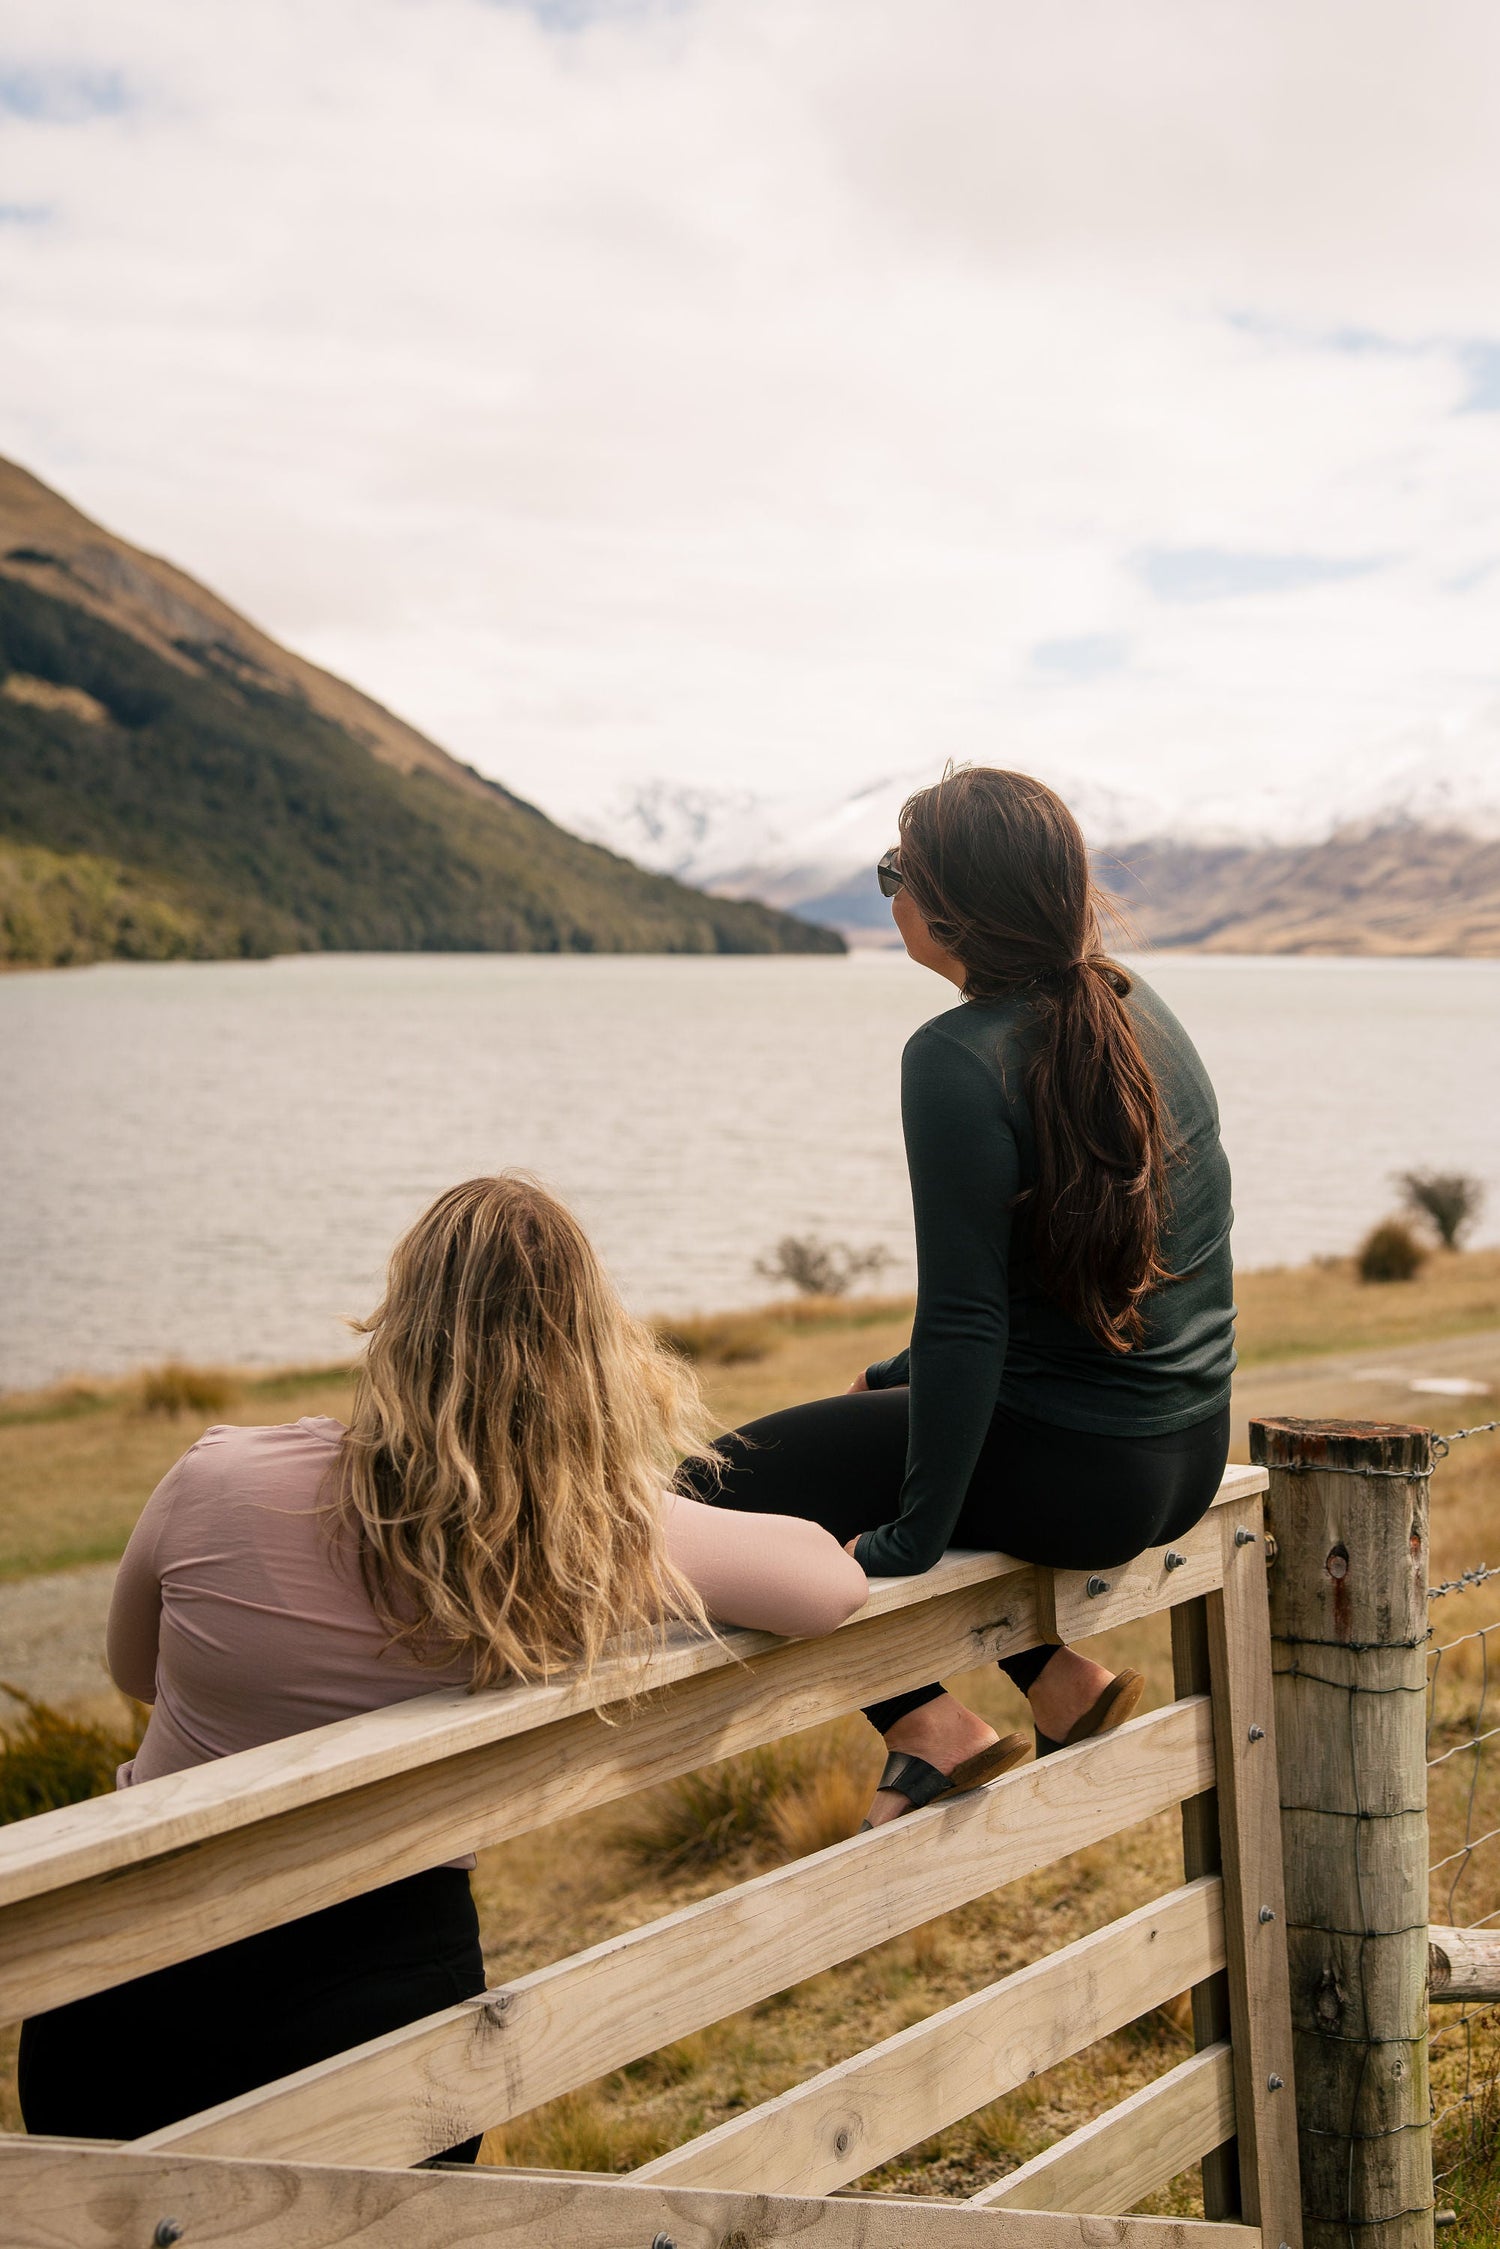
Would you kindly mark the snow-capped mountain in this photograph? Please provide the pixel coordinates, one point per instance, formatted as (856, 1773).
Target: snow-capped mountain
(814, 852)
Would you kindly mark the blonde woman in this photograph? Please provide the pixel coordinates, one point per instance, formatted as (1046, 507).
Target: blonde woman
(497, 1510)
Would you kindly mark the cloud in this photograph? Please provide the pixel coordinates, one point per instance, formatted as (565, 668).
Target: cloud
(747, 393)
(1481, 363)
(61, 95)
(1214, 574)
(1085, 657)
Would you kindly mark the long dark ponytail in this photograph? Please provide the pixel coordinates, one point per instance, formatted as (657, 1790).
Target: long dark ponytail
(997, 867)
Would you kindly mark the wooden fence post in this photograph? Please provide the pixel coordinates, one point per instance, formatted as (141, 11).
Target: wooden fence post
(1347, 1508)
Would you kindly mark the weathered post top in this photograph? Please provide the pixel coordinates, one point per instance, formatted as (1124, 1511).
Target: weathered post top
(1358, 1448)
(1356, 1556)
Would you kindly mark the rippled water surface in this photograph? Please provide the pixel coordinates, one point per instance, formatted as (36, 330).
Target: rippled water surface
(211, 1160)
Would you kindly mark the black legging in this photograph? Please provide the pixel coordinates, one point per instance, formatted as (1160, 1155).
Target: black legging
(1065, 1498)
(164, 2046)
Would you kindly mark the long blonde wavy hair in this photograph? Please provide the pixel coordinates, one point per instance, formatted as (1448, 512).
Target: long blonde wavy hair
(512, 1433)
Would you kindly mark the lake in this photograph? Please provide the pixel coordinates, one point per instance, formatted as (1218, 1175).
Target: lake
(211, 1160)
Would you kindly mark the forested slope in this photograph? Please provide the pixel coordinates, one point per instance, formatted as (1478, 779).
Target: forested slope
(174, 785)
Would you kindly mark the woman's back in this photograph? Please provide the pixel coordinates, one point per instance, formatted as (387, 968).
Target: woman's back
(966, 1112)
(241, 1612)
(239, 1608)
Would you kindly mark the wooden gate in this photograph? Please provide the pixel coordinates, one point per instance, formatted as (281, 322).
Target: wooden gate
(100, 1892)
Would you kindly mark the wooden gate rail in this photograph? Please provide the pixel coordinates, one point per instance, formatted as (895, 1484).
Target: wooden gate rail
(101, 1892)
(68, 2197)
(489, 2059)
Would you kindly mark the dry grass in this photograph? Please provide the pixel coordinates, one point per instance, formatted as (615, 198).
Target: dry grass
(79, 1460)
(1290, 1310)
(1464, 1802)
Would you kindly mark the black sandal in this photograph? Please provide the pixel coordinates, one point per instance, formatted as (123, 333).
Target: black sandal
(920, 1783)
(1115, 1703)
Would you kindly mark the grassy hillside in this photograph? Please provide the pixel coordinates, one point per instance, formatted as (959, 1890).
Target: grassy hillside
(214, 810)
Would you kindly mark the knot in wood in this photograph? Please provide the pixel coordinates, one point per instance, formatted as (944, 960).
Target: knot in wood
(1330, 2000)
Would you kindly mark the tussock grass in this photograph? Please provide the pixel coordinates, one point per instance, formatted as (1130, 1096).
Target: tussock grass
(174, 1389)
(48, 1759)
(710, 1818)
(783, 1801)
(821, 1808)
(724, 1339)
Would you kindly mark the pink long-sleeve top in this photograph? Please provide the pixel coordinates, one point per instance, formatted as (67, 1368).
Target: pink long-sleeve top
(241, 1616)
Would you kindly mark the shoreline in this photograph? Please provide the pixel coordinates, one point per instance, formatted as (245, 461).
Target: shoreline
(1456, 1292)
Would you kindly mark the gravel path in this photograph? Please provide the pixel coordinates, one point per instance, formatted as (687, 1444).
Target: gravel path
(52, 1634)
(52, 1628)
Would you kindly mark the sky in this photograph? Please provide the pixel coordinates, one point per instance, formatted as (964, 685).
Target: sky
(768, 397)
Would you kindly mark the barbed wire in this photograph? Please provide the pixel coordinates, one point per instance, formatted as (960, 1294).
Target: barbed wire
(1463, 1583)
(1457, 1436)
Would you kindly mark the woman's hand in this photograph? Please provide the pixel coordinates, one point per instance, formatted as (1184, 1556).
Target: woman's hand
(859, 1383)
(851, 1543)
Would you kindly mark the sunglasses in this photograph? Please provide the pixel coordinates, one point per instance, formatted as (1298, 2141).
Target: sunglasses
(888, 872)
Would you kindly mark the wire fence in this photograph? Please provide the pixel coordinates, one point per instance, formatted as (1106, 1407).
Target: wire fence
(1451, 1677)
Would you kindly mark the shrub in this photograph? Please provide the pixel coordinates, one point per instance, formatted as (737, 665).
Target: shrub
(725, 1340)
(817, 1268)
(48, 1759)
(1452, 1200)
(174, 1388)
(1389, 1252)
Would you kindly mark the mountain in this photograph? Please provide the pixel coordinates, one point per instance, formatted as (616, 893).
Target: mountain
(1408, 864)
(175, 784)
(1396, 887)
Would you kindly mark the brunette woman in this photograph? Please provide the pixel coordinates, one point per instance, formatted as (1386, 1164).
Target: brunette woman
(496, 1511)
(1065, 1395)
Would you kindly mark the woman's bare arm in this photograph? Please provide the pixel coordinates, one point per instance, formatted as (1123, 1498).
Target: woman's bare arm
(776, 1573)
(133, 1631)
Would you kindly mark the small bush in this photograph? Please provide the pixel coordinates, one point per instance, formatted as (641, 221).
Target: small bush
(176, 1389)
(814, 1267)
(728, 1340)
(1390, 1252)
(48, 1760)
(1452, 1200)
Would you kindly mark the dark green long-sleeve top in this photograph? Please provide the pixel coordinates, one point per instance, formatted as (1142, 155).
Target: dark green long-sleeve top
(984, 1336)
